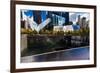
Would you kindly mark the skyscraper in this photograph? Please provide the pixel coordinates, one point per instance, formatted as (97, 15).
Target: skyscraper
(37, 16)
(83, 22)
(66, 16)
(79, 20)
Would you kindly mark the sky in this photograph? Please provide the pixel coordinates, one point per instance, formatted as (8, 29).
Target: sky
(73, 16)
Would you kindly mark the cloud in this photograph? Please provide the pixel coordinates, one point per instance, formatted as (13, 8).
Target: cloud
(73, 16)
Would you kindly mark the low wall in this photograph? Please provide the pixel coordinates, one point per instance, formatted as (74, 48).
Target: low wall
(23, 42)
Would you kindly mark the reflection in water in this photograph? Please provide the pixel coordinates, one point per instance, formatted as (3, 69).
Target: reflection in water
(71, 54)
